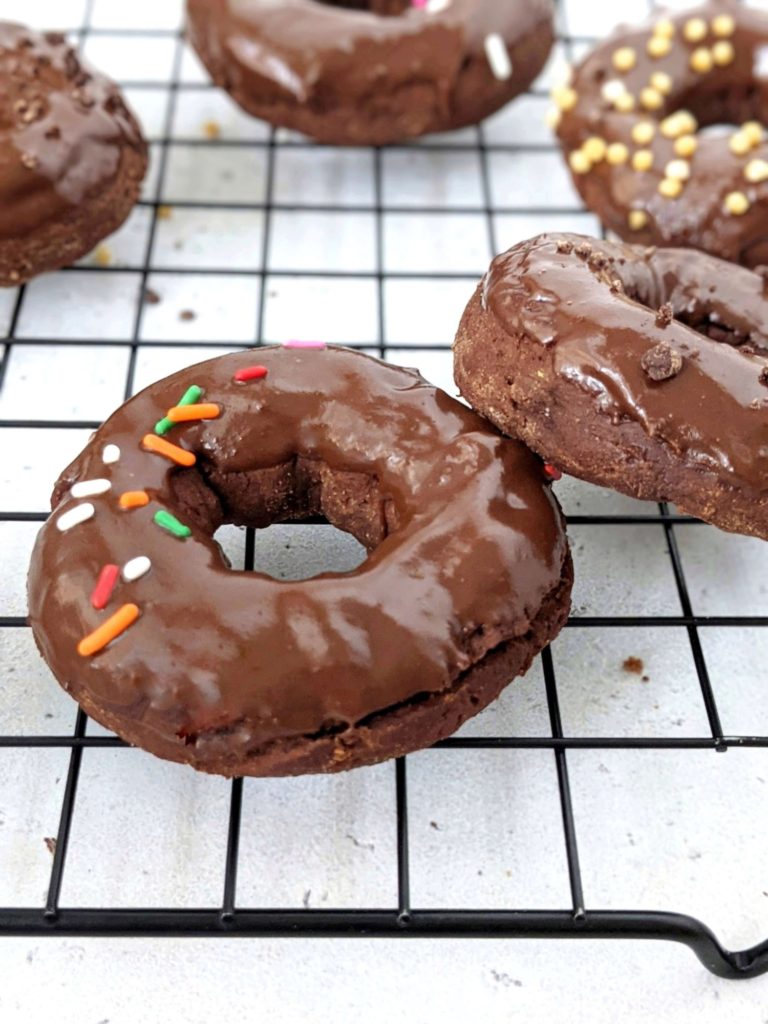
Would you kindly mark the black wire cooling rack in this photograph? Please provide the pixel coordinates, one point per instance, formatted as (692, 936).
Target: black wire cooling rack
(229, 918)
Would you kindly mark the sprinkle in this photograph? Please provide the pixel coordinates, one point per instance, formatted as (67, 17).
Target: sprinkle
(643, 132)
(564, 97)
(651, 98)
(88, 488)
(637, 220)
(435, 6)
(670, 188)
(616, 154)
(723, 53)
(110, 454)
(108, 631)
(552, 472)
(625, 103)
(579, 162)
(662, 81)
(75, 516)
(739, 143)
(594, 149)
(736, 203)
(642, 160)
(682, 122)
(686, 145)
(613, 89)
(169, 451)
(658, 46)
(754, 132)
(723, 25)
(665, 28)
(756, 171)
(136, 568)
(552, 118)
(303, 344)
(624, 59)
(250, 373)
(701, 60)
(168, 522)
(189, 413)
(190, 397)
(133, 499)
(498, 57)
(679, 170)
(105, 584)
(694, 30)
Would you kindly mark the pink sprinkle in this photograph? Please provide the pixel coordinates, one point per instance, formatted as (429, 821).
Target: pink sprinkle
(419, 3)
(303, 344)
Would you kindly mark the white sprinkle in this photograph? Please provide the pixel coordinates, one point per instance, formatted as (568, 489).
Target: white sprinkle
(87, 488)
(136, 568)
(435, 6)
(75, 516)
(111, 454)
(498, 57)
(613, 89)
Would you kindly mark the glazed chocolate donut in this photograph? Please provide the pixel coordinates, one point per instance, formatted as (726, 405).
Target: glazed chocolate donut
(143, 622)
(371, 71)
(71, 155)
(632, 128)
(645, 370)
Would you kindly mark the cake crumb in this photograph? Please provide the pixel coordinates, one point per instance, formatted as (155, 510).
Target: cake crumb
(102, 256)
(211, 129)
(633, 665)
(187, 314)
(50, 843)
(151, 297)
(434, 825)
(662, 362)
(665, 315)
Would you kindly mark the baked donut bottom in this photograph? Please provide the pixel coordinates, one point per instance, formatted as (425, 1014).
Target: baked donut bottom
(514, 380)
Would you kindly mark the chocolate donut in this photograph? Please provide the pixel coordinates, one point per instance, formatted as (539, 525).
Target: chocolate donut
(632, 123)
(71, 155)
(645, 370)
(140, 618)
(369, 72)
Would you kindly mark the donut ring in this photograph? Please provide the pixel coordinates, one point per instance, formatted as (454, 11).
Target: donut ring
(375, 72)
(630, 124)
(641, 370)
(140, 619)
(71, 155)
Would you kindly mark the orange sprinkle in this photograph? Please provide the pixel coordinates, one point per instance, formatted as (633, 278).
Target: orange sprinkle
(184, 413)
(111, 629)
(134, 499)
(169, 451)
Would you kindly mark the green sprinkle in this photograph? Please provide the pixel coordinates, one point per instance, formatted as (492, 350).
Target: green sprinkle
(170, 523)
(190, 396)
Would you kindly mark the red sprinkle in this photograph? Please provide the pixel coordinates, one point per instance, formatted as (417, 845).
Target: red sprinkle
(250, 373)
(552, 472)
(105, 584)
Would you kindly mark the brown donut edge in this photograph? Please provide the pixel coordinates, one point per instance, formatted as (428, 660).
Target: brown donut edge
(509, 380)
(62, 242)
(413, 725)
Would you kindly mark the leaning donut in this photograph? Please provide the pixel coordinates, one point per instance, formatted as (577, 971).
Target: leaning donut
(371, 72)
(632, 122)
(644, 370)
(143, 622)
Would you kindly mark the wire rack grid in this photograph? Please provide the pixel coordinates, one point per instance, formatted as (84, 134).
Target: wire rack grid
(231, 246)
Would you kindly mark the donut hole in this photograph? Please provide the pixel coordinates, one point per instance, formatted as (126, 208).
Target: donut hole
(383, 8)
(720, 112)
(296, 551)
(699, 315)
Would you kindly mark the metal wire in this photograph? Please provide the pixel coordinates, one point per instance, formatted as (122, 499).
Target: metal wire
(580, 920)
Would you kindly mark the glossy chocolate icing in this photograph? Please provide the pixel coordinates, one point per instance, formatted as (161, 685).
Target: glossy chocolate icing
(593, 307)
(63, 130)
(466, 544)
(319, 56)
(732, 94)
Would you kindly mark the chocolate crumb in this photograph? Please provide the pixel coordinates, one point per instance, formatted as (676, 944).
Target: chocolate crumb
(662, 362)
(565, 246)
(187, 314)
(55, 38)
(54, 132)
(433, 824)
(584, 249)
(665, 315)
(616, 285)
(151, 297)
(50, 842)
(645, 679)
(71, 65)
(633, 665)
(763, 378)
(598, 260)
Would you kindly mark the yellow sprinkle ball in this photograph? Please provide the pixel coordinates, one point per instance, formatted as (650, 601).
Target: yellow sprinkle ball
(624, 59)
(723, 25)
(658, 46)
(686, 145)
(643, 132)
(651, 98)
(754, 132)
(662, 81)
(756, 171)
(564, 97)
(723, 53)
(617, 153)
(701, 60)
(680, 123)
(594, 149)
(739, 144)
(664, 29)
(642, 160)
(625, 103)
(637, 220)
(694, 30)
(553, 118)
(678, 170)
(580, 162)
(736, 203)
(670, 188)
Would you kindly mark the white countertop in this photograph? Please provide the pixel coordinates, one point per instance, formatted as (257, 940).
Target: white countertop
(677, 830)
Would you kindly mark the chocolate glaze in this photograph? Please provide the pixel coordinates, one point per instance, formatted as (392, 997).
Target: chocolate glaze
(728, 95)
(325, 69)
(466, 544)
(593, 307)
(63, 130)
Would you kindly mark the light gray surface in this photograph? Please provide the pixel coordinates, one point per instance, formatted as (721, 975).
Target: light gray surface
(682, 831)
